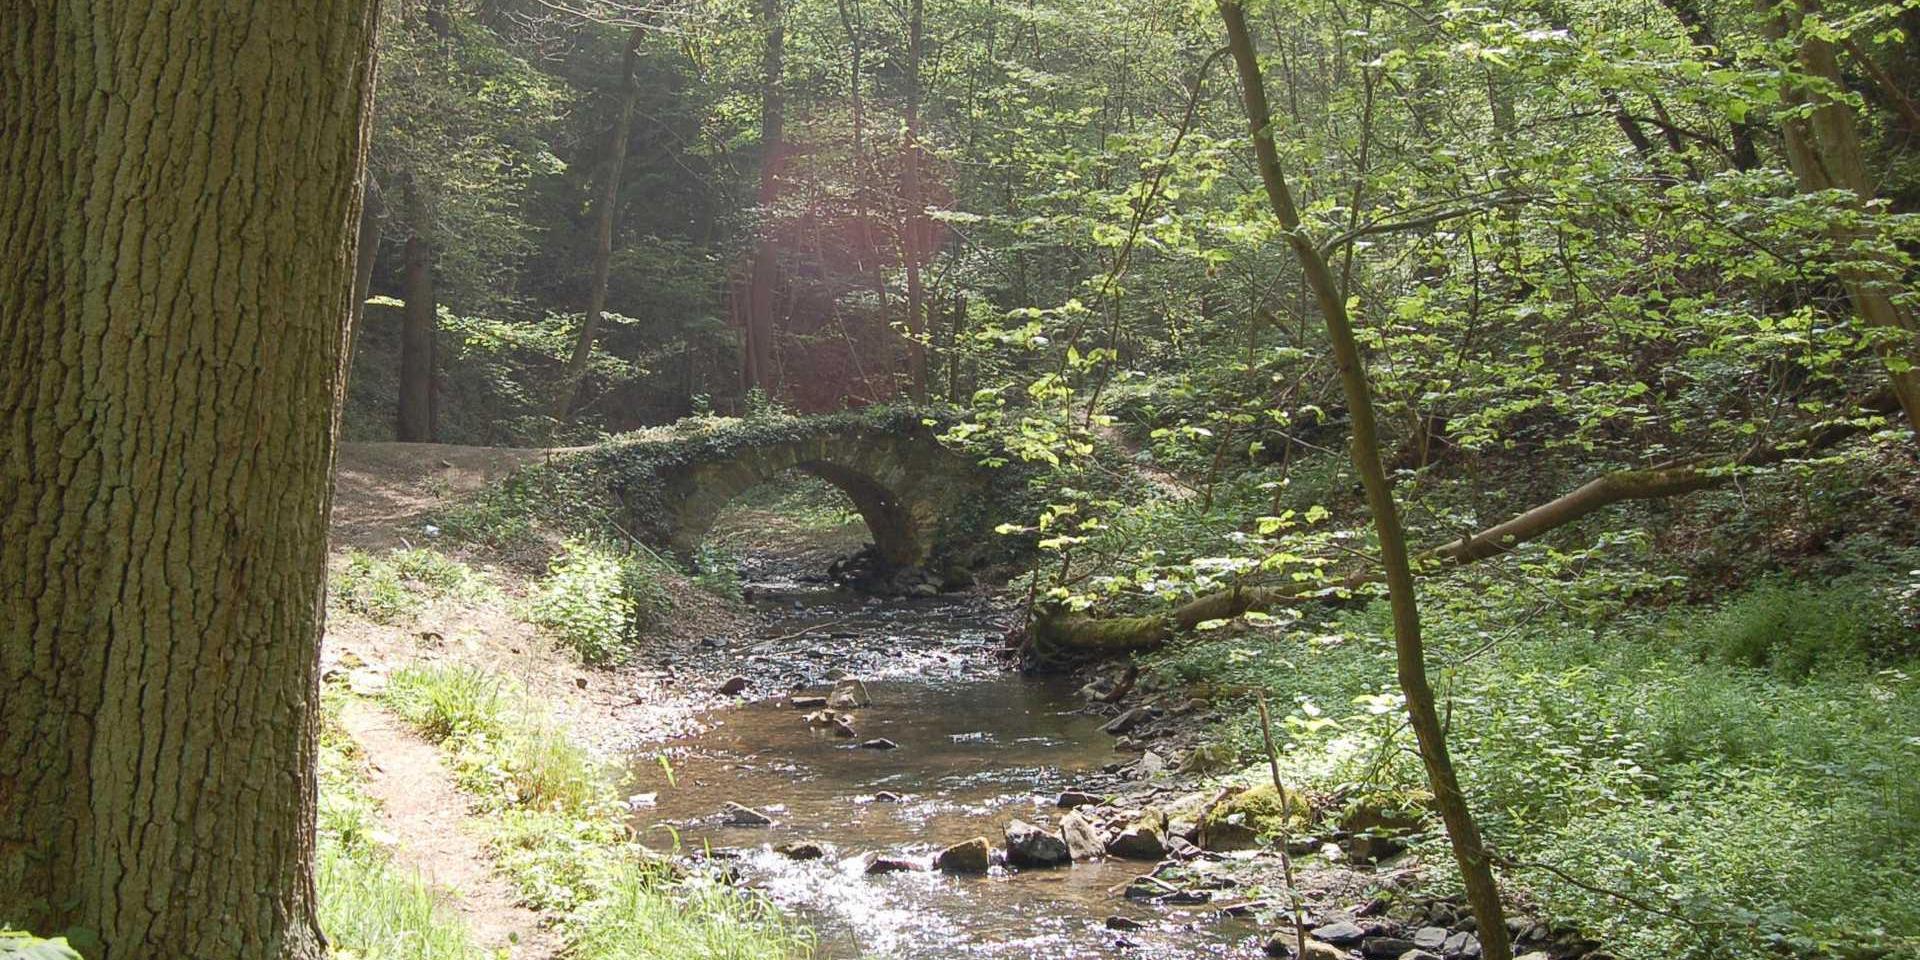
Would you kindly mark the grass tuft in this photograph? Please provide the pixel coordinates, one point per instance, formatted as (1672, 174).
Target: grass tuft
(557, 833)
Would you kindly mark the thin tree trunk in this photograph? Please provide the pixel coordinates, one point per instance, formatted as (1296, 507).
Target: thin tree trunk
(915, 234)
(1483, 892)
(757, 349)
(1824, 150)
(367, 247)
(174, 323)
(413, 421)
(609, 208)
(1745, 155)
(959, 330)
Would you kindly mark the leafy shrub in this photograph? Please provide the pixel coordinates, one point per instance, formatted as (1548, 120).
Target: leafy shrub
(1767, 812)
(596, 600)
(1796, 628)
(718, 572)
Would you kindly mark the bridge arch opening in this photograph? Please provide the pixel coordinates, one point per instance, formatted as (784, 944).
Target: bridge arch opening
(836, 507)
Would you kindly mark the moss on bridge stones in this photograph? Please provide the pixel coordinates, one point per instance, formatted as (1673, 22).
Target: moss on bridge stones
(926, 505)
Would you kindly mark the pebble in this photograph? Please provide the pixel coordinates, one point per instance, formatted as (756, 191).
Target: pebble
(1340, 933)
(1125, 722)
(967, 856)
(801, 850)
(1385, 948)
(1281, 945)
(744, 816)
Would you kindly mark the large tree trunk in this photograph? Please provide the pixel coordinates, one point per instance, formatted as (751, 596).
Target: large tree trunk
(1476, 871)
(915, 234)
(602, 234)
(1823, 147)
(757, 354)
(180, 185)
(413, 420)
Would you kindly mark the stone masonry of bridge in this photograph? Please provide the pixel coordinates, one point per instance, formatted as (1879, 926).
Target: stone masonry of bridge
(923, 502)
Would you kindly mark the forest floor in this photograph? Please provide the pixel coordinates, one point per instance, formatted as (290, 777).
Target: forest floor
(423, 811)
(387, 495)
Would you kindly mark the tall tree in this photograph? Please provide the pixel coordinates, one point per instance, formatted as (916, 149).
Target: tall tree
(603, 231)
(916, 242)
(174, 311)
(1823, 147)
(414, 420)
(1410, 657)
(757, 355)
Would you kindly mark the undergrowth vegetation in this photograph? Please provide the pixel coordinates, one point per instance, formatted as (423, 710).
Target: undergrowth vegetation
(1740, 780)
(556, 832)
(370, 908)
(396, 586)
(597, 599)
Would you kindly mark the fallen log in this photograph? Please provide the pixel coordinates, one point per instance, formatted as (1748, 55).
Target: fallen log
(1056, 639)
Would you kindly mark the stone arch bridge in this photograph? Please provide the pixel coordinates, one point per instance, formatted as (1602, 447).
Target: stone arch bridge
(925, 504)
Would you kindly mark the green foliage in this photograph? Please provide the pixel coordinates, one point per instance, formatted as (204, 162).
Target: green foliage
(370, 907)
(557, 833)
(20, 945)
(717, 571)
(642, 914)
(501, 753)
(1796, 628)
(1260, 810)
(447, 701)
(1759, 815)
(597, 600)
(395, 587)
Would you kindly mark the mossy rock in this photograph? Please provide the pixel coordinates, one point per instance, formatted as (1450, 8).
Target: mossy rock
(1240, 819)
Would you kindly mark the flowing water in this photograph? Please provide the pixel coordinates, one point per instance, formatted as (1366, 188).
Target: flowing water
(978, 746)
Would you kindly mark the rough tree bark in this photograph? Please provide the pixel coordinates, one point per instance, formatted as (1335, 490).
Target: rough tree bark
(1483, 892)
(413, 416)
(602, 233)
(757, 352)
(180, 184)
(1823, 147)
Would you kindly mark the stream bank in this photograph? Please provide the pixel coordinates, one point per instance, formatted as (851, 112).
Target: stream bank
(839, 799)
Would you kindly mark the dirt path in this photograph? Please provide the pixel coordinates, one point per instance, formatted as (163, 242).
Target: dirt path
(422, 808)
(383, 491)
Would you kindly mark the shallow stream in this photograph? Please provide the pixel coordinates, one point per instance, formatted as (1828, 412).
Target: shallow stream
(978, 745)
